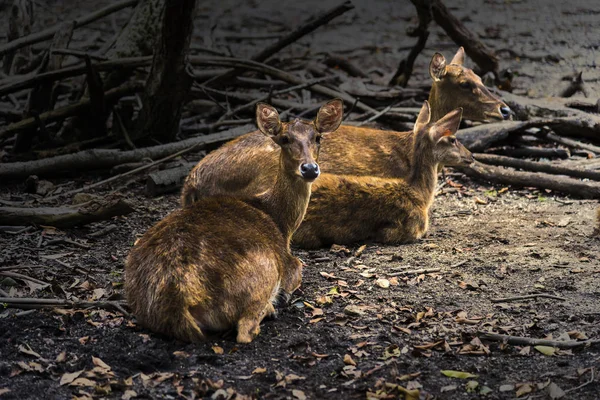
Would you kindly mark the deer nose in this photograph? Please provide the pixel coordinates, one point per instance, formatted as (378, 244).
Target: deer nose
(506, 112)
(310, 171)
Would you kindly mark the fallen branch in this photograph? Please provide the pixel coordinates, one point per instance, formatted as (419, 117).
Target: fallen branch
(525, 341)
(533, 152)
(304, 29)
(416, 271)
(82, 21)
(29, 302)
(168, 180)
(66, 216)
(101, 158)
(570, 142)
(559, 183)
(481, 137)
(525, 297)
(70, 110)
(549, 168)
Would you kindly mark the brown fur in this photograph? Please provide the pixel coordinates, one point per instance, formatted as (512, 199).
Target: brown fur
(220, 262)
(348, 209)
(247, 166)
(371, 152)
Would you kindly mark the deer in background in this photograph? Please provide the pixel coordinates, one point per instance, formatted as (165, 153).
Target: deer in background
(372, 152)
(243, 167)
(248, 166)
(221, 262)
(348, 209)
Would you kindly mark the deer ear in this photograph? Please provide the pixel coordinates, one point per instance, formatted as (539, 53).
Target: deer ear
(330, 116)
(267, 119)
(459, 57)
(437, 67)
(423, 118)
(447, 125)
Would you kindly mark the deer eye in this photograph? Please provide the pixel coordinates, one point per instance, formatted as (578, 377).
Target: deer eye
(465, 85)
(452, 140)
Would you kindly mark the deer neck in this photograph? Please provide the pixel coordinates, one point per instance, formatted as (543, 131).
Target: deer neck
(287, 200)
(424, 172)
(438, 102)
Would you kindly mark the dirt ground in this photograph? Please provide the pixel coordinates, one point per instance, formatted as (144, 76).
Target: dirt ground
(365, 323)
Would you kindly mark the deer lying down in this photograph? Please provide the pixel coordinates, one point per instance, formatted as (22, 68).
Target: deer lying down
(221, 263)
(349, 209)
(349, 150)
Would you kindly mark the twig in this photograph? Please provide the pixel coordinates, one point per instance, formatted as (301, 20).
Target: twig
(30, 302)
(49, 33)
(459, 264)
(3, 293)
(103, 231)
(377, 115)
(79, 54)
(416, 271)
(525, 297)
(525, 341)
(21, 276)
(583, 384)
(570, 142)
(67, 241)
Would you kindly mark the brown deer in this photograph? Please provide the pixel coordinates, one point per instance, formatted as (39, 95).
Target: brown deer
(348, 209)
(248, 166)
(221, 262)
(348, 150)
(372, 152)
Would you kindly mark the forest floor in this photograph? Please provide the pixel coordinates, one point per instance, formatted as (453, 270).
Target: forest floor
(364, 324)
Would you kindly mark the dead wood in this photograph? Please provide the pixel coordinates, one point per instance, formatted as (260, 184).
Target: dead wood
(475, 49)
(49, 32)
(100, 158)
(168, 180)
(479, 138)
(570, 142)
(576, 84)
(532, 152)
(337, 61)
(168, 83)
(33, 303)
(554, 169)
(527, 297)
(66, 216)
(405, 67)
(559, 183)
(70, 110)
(307, 27)
(525, 341)
(276, 73)
(20, 22)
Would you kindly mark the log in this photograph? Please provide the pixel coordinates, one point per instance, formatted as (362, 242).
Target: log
(102, 158)
(570, 142)
(168, 180)
(485, 59)
(532, 152)
(20, 21)
(337, 61)
(559, 183)
(546, 167)
(168, 83)
(479, 138)
(66, 216)
(49, 32)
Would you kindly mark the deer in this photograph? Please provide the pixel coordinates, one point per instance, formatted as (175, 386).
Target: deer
(247, 167)
(346, 209)
(222, 262)
(387, 154)
(346, 149)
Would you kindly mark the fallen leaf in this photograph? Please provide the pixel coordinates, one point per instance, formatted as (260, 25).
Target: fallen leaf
(506, 388)
(448, 388)
(61, 357)
(97, 294)
(458, 374)
(4, 391)
(181, 354)
(471, 386)
(259, 370)
(315, 320)
(348, 360)
(83, 382)
(546, 350)
(217, 349)
(27, 350)
(576, 335)
(84, 340)
(327, 275)
(354, 310)
(391, 351)
(382, 283)
(523, 388)
(485, 390)
(129, 394)
(360, 250)
(299, 394)
(145, 337)
(555, 392)
(99, 363)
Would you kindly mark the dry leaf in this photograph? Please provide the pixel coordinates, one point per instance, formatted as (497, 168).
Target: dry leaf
(84, 340)
(348, 360)
(458, 374)
(360, 250)
(546, 350)
(299, 394)
(217, 349)
(61, 357)
(69, 377)
(181, 354)
(523, 388)
(382, 283)
(27, 350)
(83, 382)
(327, 275)
(4, 391)
(555, 392)
(129, 394)
(99, 363)
(259, 370)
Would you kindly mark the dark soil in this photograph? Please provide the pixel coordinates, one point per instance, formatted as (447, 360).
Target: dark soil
(486, 242)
